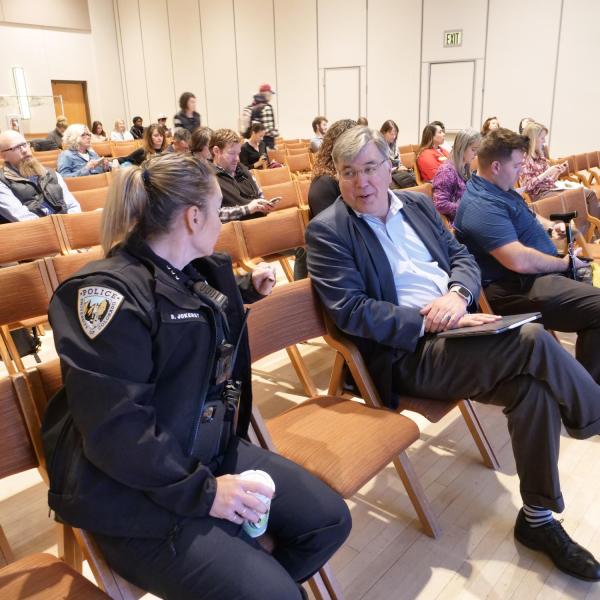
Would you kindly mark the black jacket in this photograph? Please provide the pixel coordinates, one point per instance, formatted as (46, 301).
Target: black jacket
(189, 123)
(120, 436)
(353, 277)
(239, 189)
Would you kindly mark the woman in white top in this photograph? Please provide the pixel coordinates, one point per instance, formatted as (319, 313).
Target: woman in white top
(120, 133)
(98, 133)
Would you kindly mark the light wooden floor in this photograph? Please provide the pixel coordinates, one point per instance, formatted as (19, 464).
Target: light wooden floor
(387, 557)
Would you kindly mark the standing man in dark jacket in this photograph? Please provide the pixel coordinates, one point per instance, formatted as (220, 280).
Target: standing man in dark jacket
(391, 276)
(28, 190)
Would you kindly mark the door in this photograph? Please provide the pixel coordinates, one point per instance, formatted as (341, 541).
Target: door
(75, 102)
(451, 86)
(342, 93)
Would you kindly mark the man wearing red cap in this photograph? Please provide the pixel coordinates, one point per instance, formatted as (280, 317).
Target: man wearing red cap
(266, 115)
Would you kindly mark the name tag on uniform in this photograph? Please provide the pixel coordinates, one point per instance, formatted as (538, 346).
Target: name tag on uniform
(96, 306)
(182, 316)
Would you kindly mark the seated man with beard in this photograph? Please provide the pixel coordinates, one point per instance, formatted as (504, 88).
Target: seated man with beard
(29, 190)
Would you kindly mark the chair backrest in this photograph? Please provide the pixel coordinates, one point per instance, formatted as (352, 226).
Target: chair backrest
(570, 160)
(563, 202)
(425, 188)
(592, 158)
(102, 148)
(276, 155)
(17, 453)
(405, 149)
(62, 267)
(80, 230)
(303, 186)
(119, 149)
(26, 292)
(279, 231)
(229, 243)
(272, 176)
(91, 199)
(299, 163)
(25, 240)
(291, 314)
(46, 155)
(291, 151)
(580, 162)
(408, 160)
(88, 182)
(288, 192)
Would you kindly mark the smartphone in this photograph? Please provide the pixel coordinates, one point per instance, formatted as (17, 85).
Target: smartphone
(274, 201)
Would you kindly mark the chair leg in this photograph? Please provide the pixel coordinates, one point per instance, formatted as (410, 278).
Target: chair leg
(6, 554)
(68, 548)
(417, 495)
(335, 381)
(12, 349)
(310, 389)
(478, 433)
(324, 586)
(5, 356)
(285, 265)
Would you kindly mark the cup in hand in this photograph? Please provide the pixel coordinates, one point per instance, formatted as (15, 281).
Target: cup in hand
(255, 530)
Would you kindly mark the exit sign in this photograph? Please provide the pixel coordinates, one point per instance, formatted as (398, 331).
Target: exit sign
(452, 39)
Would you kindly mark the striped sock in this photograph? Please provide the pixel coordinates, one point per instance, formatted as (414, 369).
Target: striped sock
(536, 516)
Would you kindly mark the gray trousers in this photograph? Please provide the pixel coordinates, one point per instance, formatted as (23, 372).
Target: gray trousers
(538, 383)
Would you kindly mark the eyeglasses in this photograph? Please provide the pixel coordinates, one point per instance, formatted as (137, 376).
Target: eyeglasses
(88, 134)
(348, 173)
(18, 147)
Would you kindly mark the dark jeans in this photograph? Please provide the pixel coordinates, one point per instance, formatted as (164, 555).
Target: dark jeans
(538, 383)
(565, 304)
(214, 559)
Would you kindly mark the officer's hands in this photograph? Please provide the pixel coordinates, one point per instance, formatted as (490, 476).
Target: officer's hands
(444, 312)
(263, 278)
(234, 500)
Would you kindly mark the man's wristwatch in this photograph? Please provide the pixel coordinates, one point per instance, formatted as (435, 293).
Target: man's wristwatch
(463, 292)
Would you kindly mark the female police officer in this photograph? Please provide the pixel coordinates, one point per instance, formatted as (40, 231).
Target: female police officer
(139, 442)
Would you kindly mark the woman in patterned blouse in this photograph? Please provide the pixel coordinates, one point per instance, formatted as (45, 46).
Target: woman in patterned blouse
(450, 179)
(539, 177)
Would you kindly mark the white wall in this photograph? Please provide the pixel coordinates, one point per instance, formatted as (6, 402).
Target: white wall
(142, 54)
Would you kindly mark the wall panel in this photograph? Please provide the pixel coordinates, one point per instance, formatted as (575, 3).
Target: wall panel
(519, 76)
(187, 53)
(255, 53)
(297, 71)
(575, 123)
(157, 57)
(393, 65)
(130, 34)
(220, 66)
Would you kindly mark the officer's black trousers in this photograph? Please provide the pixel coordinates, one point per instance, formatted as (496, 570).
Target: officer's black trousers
(214, 559)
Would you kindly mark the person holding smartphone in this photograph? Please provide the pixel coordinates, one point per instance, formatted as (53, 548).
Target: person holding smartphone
(539, 177)
(78, 157)
(253, 154)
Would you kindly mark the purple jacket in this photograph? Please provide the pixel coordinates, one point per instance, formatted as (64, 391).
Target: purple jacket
(448, 188)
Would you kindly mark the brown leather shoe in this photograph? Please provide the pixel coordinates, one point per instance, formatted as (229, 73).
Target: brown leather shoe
(553, 540)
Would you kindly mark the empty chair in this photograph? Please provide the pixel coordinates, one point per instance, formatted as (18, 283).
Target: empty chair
(26, 240)
(102, 148)
(303, 186)
(119, 149)
(80, 230)
(36, 575)
(406, 149)
(91, 199)
(276, 155)
(62, 267)
(272, 176)
(290, 151)
(299, 164)
(228, 243)
(47, 155)
(88, 182)
(341, 441)
(409, 160)
(288, 192)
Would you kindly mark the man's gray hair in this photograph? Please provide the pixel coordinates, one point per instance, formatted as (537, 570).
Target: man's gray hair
(352, 141)
(72, 135)
(182, 134)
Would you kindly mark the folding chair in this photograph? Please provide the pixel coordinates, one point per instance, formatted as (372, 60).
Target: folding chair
(119, 149)
(341, 441)
(303, 186)
(79, 230)
(91, 199)
(103, 149)
(37, 575)
(88, 182)
(276, 155)
(26, 240)
(299, 164)
(62, 267)
(26, 292)
(424, 188)
(288, 192)
(409, 160)
(272, 176)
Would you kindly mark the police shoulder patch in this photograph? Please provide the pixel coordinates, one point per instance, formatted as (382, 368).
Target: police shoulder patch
(96, 306)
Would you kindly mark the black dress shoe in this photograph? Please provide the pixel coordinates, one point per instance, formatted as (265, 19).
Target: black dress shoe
(553, 540)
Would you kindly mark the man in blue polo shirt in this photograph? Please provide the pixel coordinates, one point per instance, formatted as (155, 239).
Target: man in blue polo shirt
(520, 269)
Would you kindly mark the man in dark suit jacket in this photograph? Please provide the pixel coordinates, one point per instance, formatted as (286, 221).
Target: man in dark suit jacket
(391, 276)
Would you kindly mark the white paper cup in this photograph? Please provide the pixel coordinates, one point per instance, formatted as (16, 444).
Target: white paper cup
(255, 530)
